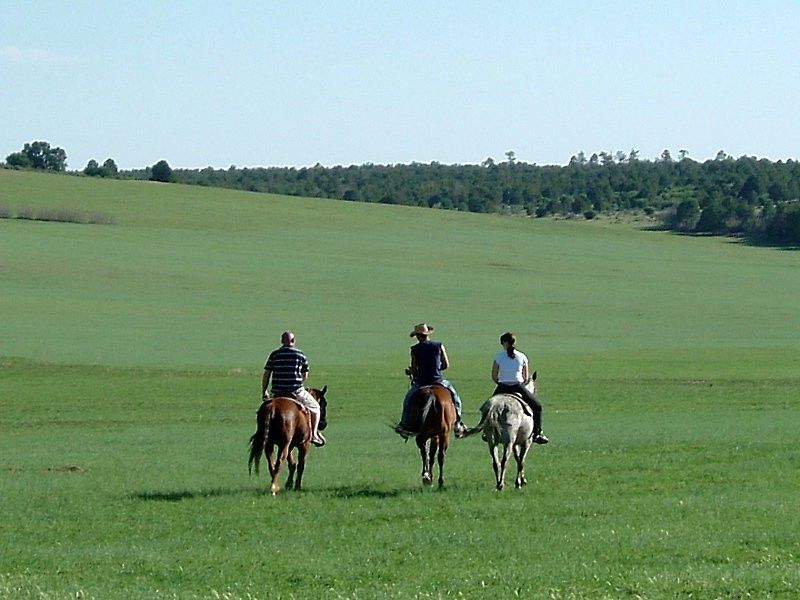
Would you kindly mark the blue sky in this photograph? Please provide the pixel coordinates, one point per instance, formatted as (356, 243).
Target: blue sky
(339, 83)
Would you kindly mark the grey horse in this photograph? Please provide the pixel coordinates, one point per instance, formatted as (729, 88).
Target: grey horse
(506, 422)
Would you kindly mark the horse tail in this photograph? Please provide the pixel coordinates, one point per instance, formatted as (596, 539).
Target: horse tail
(259, 439)
(486, 420)
(430, 400)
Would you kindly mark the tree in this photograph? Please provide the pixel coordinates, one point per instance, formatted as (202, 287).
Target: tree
(712, 217)
(578, 159)
(161, 171)
(687, 213)
(39, 155)
(92, 168)
(110, 168)
(750, 189)
(19, 160)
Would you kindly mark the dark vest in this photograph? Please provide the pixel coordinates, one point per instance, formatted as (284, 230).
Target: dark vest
(429, 362)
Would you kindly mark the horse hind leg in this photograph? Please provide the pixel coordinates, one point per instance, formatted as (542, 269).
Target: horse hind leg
(427, 477)
(496, 466)
(501, 479)
(519, 456)
(290, 462)
(274, 466)
(282, 456)
(441, 455)
(301, 466)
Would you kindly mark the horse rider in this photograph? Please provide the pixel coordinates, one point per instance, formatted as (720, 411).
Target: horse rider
(510, 373)
(428, 360)
(287, 366)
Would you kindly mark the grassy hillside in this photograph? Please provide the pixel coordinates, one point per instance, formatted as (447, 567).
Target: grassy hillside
(130, 358)
(196, 277)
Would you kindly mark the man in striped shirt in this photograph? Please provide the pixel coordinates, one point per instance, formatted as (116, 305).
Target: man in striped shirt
(287, 367)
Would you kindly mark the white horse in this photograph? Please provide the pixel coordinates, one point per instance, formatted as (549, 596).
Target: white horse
(505, 422)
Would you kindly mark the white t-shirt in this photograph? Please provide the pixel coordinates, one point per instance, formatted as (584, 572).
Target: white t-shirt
(510, 368)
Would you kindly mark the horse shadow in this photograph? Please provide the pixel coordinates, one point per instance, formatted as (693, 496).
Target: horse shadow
(180, 495)
(351, 491)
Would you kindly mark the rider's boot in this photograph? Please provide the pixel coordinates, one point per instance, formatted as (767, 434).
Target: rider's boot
(538, 437)
(316, 436)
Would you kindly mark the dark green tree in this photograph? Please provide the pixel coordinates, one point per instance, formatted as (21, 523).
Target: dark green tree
(39, 155)
(161, 171)
(19, 160)
(92, 169)
(110, 168)
(686, 214)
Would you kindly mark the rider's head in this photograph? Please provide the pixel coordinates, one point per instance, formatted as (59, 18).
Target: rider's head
(508, 338)
(509, 341)
(287, 338)
(422, 331)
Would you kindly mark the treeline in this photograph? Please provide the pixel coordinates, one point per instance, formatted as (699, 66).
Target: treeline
(746, 195)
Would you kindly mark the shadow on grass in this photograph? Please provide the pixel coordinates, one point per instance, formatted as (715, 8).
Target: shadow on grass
(180, 495)
(755, 239)
(348, 491)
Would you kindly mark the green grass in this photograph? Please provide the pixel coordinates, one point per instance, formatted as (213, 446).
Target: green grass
(669, 369)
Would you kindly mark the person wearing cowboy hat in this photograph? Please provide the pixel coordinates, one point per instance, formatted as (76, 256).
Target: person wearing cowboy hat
(428, 360)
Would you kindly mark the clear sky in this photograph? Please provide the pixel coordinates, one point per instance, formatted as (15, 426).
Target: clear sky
(349, 82)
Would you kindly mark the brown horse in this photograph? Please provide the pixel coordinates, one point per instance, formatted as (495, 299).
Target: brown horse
(282, 423)
(433, 410)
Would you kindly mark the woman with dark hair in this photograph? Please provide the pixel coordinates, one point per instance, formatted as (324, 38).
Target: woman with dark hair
(510, 373)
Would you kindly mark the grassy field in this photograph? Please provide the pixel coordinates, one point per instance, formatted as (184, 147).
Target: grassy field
(130, 359)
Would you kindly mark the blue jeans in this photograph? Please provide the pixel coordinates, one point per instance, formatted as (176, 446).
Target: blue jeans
(414, 387)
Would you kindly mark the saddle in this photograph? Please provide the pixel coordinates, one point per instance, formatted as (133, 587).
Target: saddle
(290, 396)
(526, 408)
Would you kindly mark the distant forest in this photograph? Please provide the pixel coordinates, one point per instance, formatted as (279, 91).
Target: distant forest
(746, 196)
(754, 197)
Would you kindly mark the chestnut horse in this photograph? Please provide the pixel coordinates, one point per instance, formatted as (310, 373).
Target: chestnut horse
(433, 409)
(282, 423)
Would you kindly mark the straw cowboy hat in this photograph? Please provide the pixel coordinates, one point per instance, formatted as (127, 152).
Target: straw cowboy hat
(421, 329)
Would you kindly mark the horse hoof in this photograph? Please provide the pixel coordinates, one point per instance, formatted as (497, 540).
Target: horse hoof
(500, 487)
(426, 480)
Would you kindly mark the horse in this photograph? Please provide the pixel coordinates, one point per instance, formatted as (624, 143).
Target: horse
(282, 423)
(433, 409)
(506, 422)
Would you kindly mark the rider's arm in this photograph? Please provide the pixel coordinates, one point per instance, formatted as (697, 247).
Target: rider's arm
(265, 382)
(525, 374)
(445, 361)
(495, 371)
(412, 370)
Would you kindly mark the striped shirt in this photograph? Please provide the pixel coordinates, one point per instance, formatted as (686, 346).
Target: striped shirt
(288, 365)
